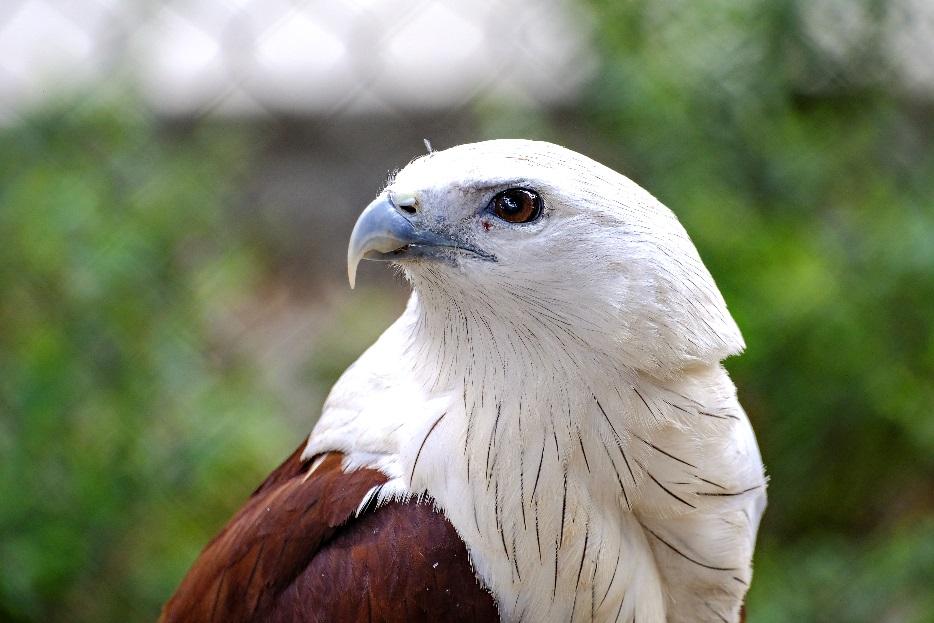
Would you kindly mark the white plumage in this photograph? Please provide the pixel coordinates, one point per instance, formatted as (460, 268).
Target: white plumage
(563, 405)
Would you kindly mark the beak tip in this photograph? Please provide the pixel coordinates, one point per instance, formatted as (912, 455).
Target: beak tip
(352, 271)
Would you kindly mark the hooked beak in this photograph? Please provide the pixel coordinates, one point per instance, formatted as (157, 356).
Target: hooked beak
(384, 234)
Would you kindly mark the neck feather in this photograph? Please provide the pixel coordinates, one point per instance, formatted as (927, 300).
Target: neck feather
(574, 480)
(563, 452)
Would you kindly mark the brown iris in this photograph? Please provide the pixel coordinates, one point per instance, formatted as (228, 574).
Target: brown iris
(517, 205)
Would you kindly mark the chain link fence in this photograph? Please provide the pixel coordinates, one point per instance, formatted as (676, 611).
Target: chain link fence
(283, 57)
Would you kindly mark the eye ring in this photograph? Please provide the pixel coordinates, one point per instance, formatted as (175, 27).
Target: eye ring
(517, 205)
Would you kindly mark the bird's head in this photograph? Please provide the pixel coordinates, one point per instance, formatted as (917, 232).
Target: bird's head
(536, 235)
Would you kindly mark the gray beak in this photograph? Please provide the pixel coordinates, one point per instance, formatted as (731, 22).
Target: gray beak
(385, 234)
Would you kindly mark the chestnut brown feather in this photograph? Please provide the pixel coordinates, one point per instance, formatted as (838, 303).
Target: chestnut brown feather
(296, 553)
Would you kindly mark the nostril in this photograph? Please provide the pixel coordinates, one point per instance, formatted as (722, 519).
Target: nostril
(408, 209)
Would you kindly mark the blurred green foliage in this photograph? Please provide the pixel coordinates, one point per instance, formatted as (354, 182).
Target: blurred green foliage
(806, 180)
(124, 416)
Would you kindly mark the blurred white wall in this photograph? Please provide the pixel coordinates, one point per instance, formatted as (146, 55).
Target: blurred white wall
(250, 57)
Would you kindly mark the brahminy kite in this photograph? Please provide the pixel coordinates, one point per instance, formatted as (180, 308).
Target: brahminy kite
(545, 434)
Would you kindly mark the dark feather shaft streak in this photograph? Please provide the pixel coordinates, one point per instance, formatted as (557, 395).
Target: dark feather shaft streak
(422, 446)
(667, 490)
(685, 556)
(668, 454)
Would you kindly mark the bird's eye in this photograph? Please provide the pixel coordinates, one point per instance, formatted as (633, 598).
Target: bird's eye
(517, 205)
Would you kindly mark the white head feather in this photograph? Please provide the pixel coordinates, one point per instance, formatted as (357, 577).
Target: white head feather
(604, 247)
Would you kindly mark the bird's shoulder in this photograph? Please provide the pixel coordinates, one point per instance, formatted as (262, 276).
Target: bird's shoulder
(298, 551)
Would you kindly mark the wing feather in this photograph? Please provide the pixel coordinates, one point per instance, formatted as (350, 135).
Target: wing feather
(296, 552)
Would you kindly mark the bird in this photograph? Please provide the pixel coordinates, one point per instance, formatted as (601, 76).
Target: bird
(546, 433)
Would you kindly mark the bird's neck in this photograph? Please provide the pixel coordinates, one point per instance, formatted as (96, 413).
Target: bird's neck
(549, 457)
(532, 459)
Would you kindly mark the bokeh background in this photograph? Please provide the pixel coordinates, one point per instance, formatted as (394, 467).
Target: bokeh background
(178, 181)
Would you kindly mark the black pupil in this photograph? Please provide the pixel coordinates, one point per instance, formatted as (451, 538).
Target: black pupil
(511, 203)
